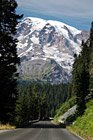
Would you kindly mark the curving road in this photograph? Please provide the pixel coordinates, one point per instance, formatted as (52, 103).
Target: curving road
(42, 130)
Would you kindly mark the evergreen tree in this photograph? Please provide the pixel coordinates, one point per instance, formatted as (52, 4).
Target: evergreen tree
(8, 58)
(91, 37)
(43, 107)
(82, 75)
(36, 100)
(69, 91)
(91, 56)
(22, 109)
(75, 78)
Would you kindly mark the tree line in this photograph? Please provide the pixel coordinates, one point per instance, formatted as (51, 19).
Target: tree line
(30, 105)
(52, 96)
(82, 74)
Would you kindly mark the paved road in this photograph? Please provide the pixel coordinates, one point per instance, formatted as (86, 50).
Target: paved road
(43, 130)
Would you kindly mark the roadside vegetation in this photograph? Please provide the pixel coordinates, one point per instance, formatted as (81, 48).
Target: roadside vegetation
(64, 108)
(83, 125)
(6, 126)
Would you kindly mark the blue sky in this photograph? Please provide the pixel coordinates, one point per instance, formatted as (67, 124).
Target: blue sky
(77, 13)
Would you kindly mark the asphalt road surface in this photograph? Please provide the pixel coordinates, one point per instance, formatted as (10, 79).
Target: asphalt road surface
(42, 130)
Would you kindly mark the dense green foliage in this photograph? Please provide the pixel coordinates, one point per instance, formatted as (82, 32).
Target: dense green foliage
(56, 96)
(38, 101)
(8, 58)
(65, 107)
(30, 105)
(83, 125)
(82, 76)
(91, 57)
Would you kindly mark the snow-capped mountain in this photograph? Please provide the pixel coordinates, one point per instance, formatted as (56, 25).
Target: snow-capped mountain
(46, 49)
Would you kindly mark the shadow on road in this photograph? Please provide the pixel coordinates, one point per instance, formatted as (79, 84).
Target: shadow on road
(44, 124)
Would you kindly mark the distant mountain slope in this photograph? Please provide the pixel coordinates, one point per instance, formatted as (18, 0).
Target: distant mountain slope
(46, 49)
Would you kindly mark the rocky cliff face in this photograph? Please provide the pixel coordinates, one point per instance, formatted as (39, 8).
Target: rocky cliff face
(46, 49)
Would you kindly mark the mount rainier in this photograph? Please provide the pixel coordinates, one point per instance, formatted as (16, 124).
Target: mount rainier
(46, 49)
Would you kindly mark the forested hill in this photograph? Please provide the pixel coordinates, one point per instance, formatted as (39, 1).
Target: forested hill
(55, 96)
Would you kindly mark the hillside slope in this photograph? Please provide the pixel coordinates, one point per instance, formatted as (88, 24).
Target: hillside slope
(83, 125)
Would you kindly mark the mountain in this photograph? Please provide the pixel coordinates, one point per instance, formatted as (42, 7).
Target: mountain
(46, 49)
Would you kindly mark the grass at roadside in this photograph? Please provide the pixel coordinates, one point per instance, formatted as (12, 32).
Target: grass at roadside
(79, 132)
(64, 108)
(6, 126)
(83, 125)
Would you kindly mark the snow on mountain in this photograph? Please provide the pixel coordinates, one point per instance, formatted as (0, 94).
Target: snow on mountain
(38, 24)
(46, 49)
